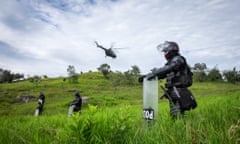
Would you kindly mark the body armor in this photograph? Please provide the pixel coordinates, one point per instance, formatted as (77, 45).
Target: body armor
(173, 71)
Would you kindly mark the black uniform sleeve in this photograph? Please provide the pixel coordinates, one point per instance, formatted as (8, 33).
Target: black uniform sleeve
(175, 64)
(76, 101)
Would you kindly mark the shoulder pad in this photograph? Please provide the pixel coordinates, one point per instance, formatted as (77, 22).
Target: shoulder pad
(178, 59)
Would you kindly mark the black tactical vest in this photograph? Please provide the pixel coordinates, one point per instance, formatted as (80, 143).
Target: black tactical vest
(181, 76)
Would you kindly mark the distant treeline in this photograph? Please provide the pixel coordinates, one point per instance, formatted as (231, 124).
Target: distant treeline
(6, 76)
(200, 73)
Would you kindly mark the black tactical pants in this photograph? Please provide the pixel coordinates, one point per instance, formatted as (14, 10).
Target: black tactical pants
(176, 110)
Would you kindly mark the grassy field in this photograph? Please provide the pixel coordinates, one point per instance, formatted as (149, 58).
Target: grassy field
(114, 114)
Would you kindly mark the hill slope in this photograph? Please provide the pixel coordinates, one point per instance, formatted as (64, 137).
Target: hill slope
(59, 93)
(114, 114)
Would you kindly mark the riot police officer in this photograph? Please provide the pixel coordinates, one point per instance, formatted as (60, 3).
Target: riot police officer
(178, 78)
(77, 103)
(41, 101)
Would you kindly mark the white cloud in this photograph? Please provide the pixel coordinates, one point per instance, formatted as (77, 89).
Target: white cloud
(61, 33)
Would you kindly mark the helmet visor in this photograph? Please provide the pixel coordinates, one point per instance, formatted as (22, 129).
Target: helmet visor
(162, 47)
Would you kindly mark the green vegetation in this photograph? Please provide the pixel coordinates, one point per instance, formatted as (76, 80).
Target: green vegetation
(114, 114)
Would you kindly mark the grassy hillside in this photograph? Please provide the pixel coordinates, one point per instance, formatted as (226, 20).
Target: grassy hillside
(60, 93)
(114, 114)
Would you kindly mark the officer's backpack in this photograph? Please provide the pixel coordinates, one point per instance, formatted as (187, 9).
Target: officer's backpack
(186, 78)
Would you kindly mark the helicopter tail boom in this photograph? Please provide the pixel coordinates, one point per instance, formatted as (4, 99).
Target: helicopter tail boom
(99, 46)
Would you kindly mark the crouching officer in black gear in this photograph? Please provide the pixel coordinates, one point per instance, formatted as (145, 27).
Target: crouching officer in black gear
(77, 103)
(179, 77)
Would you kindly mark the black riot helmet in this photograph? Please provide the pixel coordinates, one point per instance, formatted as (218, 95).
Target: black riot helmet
(77, 94)
(42, 96)
(170, 49)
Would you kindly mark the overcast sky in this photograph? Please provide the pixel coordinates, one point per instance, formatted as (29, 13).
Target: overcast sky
(43, 37)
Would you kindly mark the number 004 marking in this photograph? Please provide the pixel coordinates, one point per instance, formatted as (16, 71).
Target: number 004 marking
(148, 114)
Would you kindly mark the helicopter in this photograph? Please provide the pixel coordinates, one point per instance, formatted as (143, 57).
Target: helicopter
(108, 51)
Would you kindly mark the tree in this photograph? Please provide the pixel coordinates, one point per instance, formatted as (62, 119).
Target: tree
(214, 74)
(200, 66)
(18, 76)
(232, 76)
(135, 71)
(199, 76)
(199, 72)
(8, 76)
(73, 77)
(35, 79)
(116, 79)
(131, 76)
(1, 75)
(105, 69)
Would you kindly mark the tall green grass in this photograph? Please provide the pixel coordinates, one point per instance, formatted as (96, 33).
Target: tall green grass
(216, 120)
(114, 114)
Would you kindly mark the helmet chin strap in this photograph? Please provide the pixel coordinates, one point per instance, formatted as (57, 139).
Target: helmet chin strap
(168, 55)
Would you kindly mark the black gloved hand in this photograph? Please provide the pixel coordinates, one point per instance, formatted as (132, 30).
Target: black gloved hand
(150, 76)
(140, 79)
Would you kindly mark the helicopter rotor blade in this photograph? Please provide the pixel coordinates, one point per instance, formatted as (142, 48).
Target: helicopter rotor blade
(112, 44)
(120, 48)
